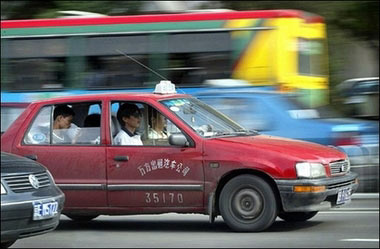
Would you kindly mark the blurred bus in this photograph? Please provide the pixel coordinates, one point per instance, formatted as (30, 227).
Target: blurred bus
(283, 49)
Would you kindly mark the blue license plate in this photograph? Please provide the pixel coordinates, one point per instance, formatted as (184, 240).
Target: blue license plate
(44, 210)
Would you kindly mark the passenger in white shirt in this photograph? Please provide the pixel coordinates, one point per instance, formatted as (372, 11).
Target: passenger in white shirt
(129, 117)
(64, 130)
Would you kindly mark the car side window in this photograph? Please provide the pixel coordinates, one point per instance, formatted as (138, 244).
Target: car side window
(69, 124)
(159, 128)
(89, 132)
(39, 131)
(8, 115)
(139, 124)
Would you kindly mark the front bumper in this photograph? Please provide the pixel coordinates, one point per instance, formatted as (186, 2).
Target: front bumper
(314, 201)
(17, 219)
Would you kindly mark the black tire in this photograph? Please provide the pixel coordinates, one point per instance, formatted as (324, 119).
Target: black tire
(81, 218)
(7, 244)
(297, 216)
(247, 203)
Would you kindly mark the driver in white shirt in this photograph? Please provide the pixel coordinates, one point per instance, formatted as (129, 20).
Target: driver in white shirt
(129, 117)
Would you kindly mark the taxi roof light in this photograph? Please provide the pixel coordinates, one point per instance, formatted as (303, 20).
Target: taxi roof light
(165, 87)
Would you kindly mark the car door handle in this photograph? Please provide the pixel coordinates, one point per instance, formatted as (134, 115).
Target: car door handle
(33, 157)
(121, 158)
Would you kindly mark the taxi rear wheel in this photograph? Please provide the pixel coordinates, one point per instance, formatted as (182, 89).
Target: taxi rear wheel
(81, 218)
(247, 203)
(297, 216)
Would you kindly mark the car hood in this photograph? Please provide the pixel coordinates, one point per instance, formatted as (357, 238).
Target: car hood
(11, 164)
(296, 150)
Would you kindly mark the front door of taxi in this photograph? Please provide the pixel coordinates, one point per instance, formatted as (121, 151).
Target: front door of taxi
(154, 176)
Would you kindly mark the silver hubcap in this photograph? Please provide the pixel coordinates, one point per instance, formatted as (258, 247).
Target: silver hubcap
(247, 204)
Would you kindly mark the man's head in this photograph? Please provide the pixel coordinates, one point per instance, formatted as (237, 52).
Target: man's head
(63, 117)
(129, 116)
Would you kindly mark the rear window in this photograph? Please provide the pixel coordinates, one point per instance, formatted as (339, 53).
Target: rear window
(8, 115)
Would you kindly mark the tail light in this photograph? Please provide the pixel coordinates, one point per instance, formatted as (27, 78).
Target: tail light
(346, 138)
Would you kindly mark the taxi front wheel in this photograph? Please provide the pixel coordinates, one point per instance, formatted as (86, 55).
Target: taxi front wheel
(247, 204)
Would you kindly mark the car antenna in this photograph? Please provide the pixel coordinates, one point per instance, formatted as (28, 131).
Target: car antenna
(141, 64)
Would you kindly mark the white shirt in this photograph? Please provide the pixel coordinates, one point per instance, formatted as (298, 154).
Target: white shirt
(65, 135)
(122, 138)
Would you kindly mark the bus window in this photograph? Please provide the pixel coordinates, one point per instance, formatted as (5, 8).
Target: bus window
(194, 68)
(115, 72)
(35, 73)
(311, 57)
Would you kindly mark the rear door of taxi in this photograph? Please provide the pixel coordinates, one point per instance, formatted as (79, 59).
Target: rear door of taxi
(78, 169)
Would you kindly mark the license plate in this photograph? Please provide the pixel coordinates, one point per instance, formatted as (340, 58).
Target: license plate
(344, 195)
(44, 210)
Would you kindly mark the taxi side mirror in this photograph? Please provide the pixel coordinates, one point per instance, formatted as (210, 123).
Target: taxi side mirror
(178, 140)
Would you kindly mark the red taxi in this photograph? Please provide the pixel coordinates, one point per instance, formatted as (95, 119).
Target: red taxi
(205, 163)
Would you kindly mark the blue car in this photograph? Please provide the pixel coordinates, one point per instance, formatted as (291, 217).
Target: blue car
(277, 114)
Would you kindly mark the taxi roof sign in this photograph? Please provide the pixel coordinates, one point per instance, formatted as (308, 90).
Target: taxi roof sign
(165, 87)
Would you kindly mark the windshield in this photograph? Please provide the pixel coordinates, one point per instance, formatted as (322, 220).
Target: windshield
(203, 119)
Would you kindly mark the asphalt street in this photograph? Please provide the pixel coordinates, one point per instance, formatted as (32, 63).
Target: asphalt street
(354, 226)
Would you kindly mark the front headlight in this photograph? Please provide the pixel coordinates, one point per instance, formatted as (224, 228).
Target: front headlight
(348, 163)
(3, 191)
(310, 170)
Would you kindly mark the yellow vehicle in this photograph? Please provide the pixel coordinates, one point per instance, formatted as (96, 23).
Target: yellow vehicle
(284, 49)
(290, 54)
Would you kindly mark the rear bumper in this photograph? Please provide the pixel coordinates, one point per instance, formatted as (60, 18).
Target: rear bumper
(314, 201)
(17, 219)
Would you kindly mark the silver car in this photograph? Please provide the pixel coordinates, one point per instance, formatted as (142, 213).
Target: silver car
(31, 203)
